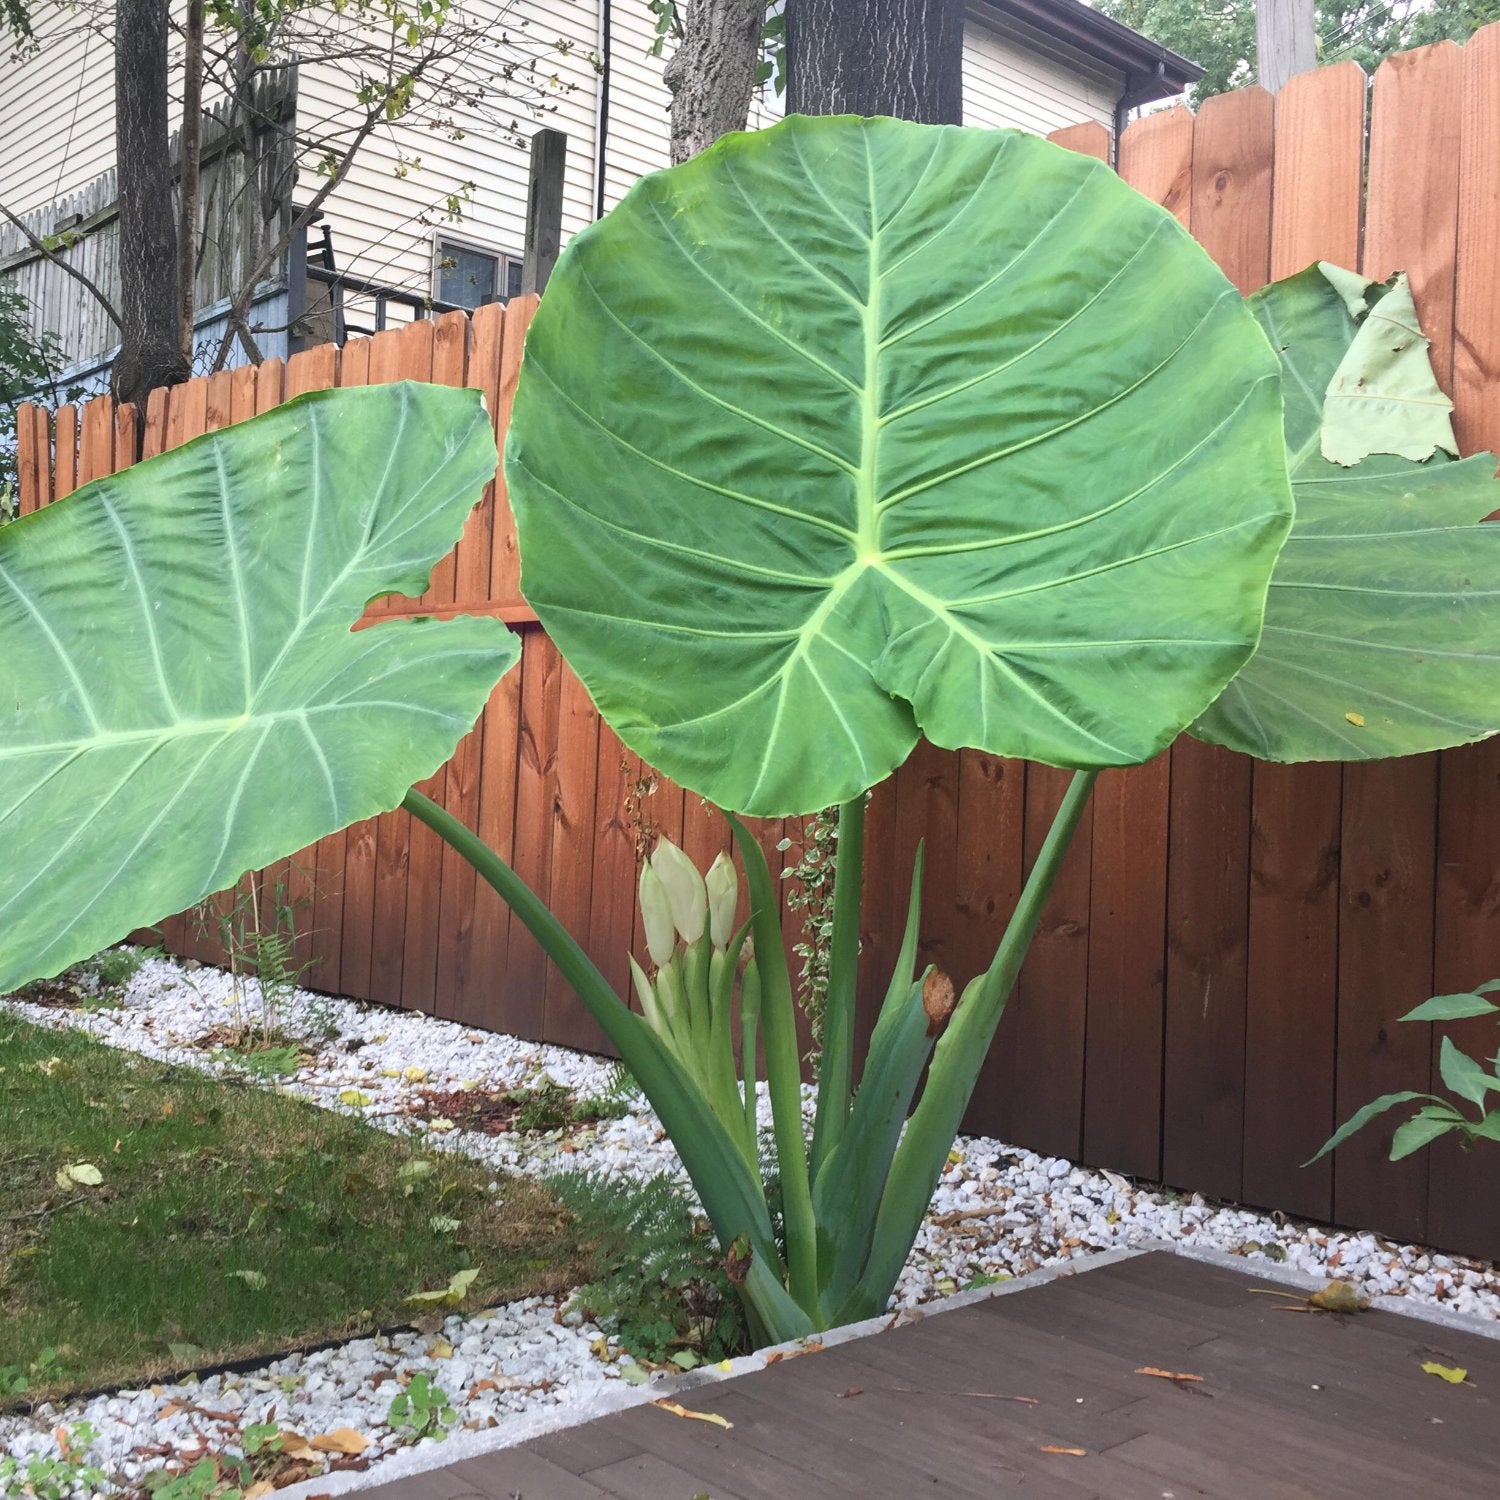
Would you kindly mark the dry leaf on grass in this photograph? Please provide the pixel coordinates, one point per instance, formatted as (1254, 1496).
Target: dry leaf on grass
(694, 1416)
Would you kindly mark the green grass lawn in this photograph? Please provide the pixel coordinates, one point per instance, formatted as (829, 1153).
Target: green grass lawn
(226, 1220)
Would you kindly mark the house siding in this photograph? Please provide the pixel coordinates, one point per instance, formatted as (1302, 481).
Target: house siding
(384, 223)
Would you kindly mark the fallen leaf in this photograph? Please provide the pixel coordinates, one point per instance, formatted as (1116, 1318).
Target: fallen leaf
(452, 1294)
(1358, 720)
(170, 1410)
(439, 1225)
(294, 1445)
(341, 1440)
(354, 1098)
(1453, 1374)
(441, 1125)
(415, 1075)
(1166, 1374)
(260, 1488)
(853, 1390)
(440, 1349)
(185, 1354)
(483, 1385)
(255, 1280)
(1340, 1297)
(635, 1374)
(1072, 1452)
(695, 1416)
(79, 1174)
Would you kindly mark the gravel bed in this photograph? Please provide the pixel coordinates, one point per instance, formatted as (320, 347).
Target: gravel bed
(998, 1212)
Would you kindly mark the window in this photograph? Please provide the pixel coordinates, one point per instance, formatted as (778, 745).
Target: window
(469, 275)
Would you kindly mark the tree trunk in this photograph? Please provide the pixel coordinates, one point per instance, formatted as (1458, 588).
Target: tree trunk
(150, 349)
(191, 138)
(876, 57)
(711, 75)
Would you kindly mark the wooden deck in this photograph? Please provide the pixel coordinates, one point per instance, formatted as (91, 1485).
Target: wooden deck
(1291, 1406)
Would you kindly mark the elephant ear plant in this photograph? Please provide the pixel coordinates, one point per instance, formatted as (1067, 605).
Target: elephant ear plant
(840, 434)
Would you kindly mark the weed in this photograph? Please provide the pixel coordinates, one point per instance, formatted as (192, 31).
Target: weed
(660, 1285)
(257, 929)
(54, 1478)
(422, 1410)
(45, 1369)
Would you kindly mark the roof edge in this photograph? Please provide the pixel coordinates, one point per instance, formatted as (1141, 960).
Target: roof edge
(1151, 70)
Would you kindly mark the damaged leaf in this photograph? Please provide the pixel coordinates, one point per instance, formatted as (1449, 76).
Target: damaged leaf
(694, 1416)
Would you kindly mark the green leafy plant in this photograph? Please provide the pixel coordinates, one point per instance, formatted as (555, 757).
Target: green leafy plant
(929, 432)
(257, 929)
(422, 1410)
(46, 1368)
(54, 1478)
(1469, 1081)
(659, 1283)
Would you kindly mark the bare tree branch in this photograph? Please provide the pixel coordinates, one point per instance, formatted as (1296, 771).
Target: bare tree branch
(42, 249)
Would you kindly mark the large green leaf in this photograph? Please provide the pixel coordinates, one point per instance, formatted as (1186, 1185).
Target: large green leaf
(1382, 632)
(185, 697)
(853, 429)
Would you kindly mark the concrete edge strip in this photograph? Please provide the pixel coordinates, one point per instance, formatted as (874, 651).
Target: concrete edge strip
(427, 1457)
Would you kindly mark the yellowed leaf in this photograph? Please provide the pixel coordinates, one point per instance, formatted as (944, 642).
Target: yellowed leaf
(260, 1489)
(440, 1349)
(341, 1440)
(294, 1445)
(1072, 1452)
(354, 1098)
(1339, 1297)
(416, 1075)
(1358, 720)
(1453, 1374)
(694, 1416)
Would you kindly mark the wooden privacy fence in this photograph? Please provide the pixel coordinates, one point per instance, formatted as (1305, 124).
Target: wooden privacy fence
(1218, 975)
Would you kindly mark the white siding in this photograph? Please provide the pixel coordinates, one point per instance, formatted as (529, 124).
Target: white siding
(1014, 76)
(377, 216)
(58, 108)
(57, 116)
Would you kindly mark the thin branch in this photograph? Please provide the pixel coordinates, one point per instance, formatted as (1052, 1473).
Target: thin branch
(42, 249)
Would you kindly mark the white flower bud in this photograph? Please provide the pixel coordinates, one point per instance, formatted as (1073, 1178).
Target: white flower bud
(656, 913)
(684, 887)
(723, 896)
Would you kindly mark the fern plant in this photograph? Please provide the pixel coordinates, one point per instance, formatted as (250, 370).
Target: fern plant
(661, 1286)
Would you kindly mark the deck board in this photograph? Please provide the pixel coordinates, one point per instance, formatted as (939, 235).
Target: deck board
(1291, 1407)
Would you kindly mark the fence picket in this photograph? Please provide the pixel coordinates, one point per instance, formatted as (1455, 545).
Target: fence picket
(1126, 998)
(1209, 822)
(505, 559)
(1156, 159)
(1463, 1209)
(33, 458)
(1293, 942)
(96, 446)
(65, 452)
(445, 348)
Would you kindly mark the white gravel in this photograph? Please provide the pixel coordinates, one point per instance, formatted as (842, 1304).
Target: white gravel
(997, 1212)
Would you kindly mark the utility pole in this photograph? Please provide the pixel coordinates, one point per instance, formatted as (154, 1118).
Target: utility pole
(1286, 41)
